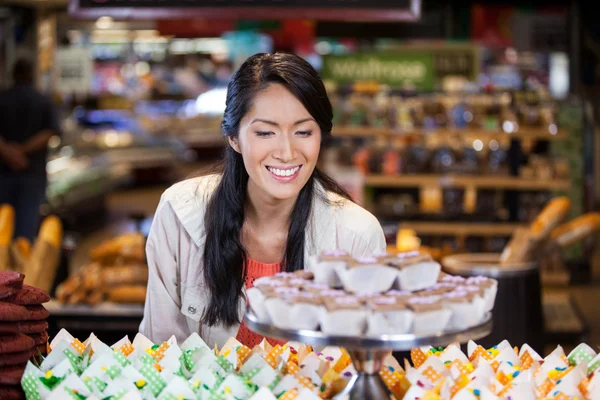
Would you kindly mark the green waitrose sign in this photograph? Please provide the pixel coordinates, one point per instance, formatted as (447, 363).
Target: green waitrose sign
(423, 68)
(393, 69)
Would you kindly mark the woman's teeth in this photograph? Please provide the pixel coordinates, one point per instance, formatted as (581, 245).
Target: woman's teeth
(283, 172)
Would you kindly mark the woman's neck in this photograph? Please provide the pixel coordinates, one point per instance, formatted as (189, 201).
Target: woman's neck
(264, 212)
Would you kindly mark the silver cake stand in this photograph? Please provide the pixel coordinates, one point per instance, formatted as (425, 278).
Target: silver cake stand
(369, 352)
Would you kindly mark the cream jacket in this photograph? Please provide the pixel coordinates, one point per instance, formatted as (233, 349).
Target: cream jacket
(177, 294)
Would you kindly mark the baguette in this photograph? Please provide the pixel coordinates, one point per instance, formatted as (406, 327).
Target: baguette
(7, 228)
(553, 214)
(45, 257)
(576, 230)
(520, 248)
(7, 224)
(128, 294)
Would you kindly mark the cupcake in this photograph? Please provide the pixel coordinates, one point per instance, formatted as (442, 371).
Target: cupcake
(277, 304)
(304, 274)
(325, 266)
(388, 315)
(343, 316)
(417, 276)
(256, 300)
(467, 309)
(384, 257)
(305, 311)
(332, 293)
(367, 275)
(430, 316)
(315, 287)
(437, 289)
(490, 288)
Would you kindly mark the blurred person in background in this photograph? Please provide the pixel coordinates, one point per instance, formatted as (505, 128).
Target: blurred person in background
(28, 120)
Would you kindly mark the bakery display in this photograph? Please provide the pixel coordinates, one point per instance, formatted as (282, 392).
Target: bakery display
(501, 372)
(23, 330)
(141, 369)
(117, 273)
(379, 295)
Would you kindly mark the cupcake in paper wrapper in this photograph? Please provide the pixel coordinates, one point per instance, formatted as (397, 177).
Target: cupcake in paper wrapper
(490, 289)
(343, 316)
(294, 309)
(416, 275)
(367, 275)
(430, 316)
(388, 315)
(467, 309)
(325, 266)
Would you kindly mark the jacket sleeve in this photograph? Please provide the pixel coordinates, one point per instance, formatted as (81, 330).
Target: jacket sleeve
(162, 316)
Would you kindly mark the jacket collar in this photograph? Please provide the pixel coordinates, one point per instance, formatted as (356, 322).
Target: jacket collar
(191, 199)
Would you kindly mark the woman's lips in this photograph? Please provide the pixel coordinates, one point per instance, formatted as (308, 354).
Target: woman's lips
(284, 174)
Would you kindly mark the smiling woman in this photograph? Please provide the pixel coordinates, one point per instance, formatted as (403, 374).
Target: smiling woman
(268, 211)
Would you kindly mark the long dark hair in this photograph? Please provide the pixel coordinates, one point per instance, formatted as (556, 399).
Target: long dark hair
(224, 253)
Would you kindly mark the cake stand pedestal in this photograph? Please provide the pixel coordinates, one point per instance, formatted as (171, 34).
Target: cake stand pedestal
(369, 352)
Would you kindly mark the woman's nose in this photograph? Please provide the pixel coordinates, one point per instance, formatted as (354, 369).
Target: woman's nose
(285, 149)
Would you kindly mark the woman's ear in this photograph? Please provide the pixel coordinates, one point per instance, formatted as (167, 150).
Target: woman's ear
(233, 142)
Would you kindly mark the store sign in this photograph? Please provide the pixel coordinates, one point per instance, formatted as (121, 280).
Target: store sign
(346, 10)
(393, 69)
(423, 67)
(74, 69)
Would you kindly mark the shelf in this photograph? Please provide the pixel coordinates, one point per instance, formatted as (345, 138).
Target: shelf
(464, 181)
(522, 133)
(442, 228)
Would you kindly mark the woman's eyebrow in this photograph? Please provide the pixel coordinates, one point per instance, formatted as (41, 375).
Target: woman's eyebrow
(266, 121)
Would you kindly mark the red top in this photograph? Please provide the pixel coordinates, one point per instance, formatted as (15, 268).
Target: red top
(255, 270)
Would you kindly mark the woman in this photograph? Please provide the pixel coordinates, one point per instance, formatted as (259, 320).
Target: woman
(266, 212)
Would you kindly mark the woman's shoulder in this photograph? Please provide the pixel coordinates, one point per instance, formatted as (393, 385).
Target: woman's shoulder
(197, 190)
(350, 214)
(188, 200)
(334, 209)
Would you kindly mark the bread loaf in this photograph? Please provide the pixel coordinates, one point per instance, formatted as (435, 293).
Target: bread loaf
(7, 224)
(128, 294)
(550, 217)
(520, 248)
(43, 263)
(7, 227)
(125, 275)
(576, 230)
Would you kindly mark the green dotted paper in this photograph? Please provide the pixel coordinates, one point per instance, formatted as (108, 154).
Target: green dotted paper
(30, 387)
(155, 382)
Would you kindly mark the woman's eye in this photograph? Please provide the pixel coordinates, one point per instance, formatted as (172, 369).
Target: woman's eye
(304, 133)
(264, 134)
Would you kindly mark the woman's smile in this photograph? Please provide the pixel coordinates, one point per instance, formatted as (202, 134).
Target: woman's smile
(284, 174)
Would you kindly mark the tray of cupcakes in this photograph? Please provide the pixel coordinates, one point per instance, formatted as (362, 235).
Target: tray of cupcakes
(385, 300)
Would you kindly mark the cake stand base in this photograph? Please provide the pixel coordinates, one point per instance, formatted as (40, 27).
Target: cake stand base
(367, 384)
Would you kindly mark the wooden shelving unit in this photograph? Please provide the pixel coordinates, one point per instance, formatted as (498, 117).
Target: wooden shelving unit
(522, 133)
(464, 181)
(443, 228)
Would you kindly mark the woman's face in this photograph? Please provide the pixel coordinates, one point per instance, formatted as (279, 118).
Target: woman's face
(279, 141)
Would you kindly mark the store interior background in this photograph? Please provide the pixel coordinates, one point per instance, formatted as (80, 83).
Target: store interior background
(141, 102)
